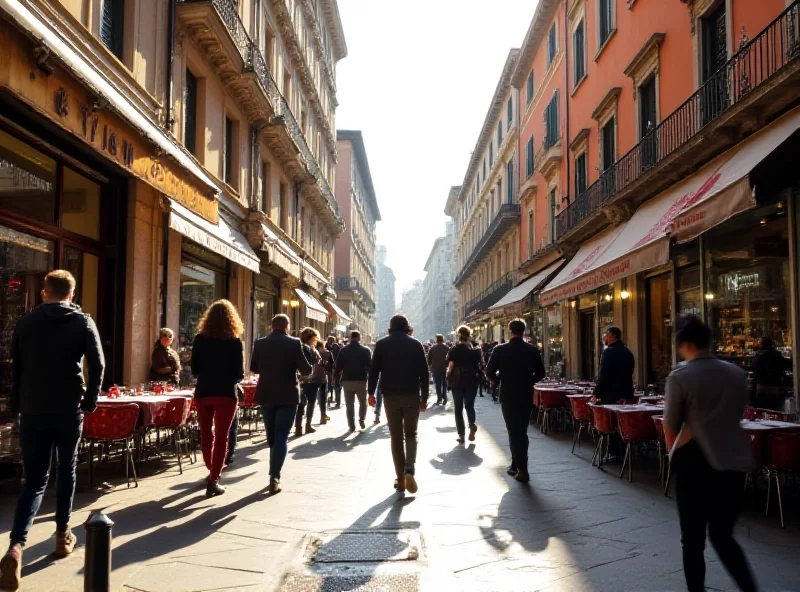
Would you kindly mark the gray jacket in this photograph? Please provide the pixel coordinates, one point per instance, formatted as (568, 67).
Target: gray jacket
(437, 358)
(709, 395)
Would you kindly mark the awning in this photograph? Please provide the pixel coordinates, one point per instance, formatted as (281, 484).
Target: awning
(334, 310)
(220, 238)
(280, 253)
(314, 310)
(718, 191)
(518, 293)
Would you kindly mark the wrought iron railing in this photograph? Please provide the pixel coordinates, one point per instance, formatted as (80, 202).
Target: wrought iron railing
(505, 212)
(228, 11)
(756, 61)
(490, 295)
(354, 285)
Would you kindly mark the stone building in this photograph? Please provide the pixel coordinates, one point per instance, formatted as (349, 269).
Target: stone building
(440, 298)
(355, 249)
(411, 306)
(386, 306)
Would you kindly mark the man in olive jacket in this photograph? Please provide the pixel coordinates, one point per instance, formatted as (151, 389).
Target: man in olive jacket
(277, 358)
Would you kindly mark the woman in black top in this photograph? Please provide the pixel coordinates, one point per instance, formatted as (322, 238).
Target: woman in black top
(463, 375)
(218, 364)
(311, 384)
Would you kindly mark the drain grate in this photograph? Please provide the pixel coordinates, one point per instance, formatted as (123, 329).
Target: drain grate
(355, 583)
(372, 546)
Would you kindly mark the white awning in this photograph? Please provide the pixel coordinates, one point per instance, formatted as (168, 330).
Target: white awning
(334, 308)
(280, 253)
(718, 191)
(314, 310)
(522, 290)
(220, 238)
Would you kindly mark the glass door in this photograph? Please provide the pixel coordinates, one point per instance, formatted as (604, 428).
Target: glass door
(659, 330)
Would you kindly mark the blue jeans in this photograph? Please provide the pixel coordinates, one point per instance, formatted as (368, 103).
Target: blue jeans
(39, 434)
(278, 422)
(464, 398)
(440, 382)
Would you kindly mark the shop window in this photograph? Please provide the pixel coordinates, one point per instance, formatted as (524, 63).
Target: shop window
(27, 180)
(84, 267)
(80, 205)
(555, 337)
(659, 330)
(111, 25)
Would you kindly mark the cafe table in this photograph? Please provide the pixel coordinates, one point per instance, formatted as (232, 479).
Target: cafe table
(149, 405)
(758, 432)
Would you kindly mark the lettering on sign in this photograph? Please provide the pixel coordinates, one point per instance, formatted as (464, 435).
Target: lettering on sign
(61, 102)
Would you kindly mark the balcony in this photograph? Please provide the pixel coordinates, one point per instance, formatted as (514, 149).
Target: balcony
(489, 296)
(508, 216)
(754, 86)
(352, 284)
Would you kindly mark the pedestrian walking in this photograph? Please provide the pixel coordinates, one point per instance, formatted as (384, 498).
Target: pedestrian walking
(218, 364)
(437, 360)
(333, 346)
(311, 384)
(463, 376)
(705, 399)
(352, 366)
(615, 380)
(378, 403)
(277, 359)
(165, 366)
(519, 366)
(400, 365)
(322, 396)
(49, 347)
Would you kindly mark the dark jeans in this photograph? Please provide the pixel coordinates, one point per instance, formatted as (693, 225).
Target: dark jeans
(233, 436)
(440, 382)
(39, 434)
(516, 414)
(278, 423)
(308, 399)
(464, 397)
(708, 499)
(355, 389)
(402, 415)
(337, 387)
(378, 402)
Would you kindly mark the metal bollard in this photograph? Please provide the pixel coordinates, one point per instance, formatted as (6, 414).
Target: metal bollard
(97, 567)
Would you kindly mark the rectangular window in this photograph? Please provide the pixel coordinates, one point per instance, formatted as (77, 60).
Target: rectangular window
(531, 246)
(647, 122)
(529, 91)
(510, 110)
(604, 18)
(529, 156)
(484, 171)
(228, 172)
(190, 113)
(553, 208)
(491, 155)
(510, 181)
(608, 178)
(499, 134)
(551, 122)
(266, 179)
(580, 174)
(579, 54)
(111, 23)
(283, 213)
(551, 45)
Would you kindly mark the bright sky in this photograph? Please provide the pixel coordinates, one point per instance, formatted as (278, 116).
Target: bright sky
(418, 80)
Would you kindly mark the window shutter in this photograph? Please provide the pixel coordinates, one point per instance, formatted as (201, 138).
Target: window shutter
(111, 23)
(190, 113)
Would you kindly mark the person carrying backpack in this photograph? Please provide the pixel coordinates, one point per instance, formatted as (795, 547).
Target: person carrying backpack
(464, 364)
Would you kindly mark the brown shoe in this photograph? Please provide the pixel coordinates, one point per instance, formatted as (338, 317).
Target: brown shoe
(11, 568)
(65, 543)
(298, 430)
(411, 483)
(472, 430)
(274, 486)
(324, 420)
(362, 424)
(309, 429)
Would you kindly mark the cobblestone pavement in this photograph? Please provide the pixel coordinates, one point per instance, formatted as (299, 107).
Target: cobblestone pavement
(338, 525)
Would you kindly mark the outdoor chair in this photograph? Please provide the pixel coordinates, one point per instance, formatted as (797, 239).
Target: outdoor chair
(174, 418)
(582, 417)
(605, 424)
(110, 424)
(635, 427)
(783, 457)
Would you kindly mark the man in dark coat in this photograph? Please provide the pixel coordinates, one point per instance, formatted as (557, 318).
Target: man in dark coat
(615, 381)
(437, 360)
(48, 348)
(277, 358)
(519, 365)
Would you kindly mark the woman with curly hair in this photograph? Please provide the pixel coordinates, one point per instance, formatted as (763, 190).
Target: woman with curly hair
(311, 384)
(218, 364)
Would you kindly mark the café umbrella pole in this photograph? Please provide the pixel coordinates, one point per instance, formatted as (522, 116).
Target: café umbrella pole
(97, 567)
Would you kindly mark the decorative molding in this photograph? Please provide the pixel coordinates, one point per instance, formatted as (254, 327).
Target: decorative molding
(617, 214)
(537, 32)
(580, 140)
(607, 105)
(645, 62)
(574, 9)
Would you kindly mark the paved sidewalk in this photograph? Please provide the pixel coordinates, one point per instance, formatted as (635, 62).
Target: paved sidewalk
(469, 528)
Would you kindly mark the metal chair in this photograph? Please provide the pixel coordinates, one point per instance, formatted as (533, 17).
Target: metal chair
(782, 457)
(635, 427)
(109, 424)
(605, 423)
(250, 407)
(550, 402)
(174, 418)
(582, 417)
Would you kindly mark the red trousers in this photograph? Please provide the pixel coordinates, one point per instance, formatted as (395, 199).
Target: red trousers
(216, 412)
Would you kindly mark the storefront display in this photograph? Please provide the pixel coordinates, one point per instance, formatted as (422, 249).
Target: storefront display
(555, 345)
(536, 328)
(265, 299)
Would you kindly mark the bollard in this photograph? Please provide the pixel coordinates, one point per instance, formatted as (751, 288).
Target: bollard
(97, 566)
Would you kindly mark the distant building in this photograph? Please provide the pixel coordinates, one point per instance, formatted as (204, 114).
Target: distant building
(440, 297)
(385, 290)
(411, 306)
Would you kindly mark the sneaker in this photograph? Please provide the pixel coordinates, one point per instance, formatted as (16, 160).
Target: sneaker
(229, 460)
(411, 483)
(522, 476)
(214, 489)
(361, 424)
(65, 543)
(274, 486)
(309, 429)
(11, 568)
(472, 430)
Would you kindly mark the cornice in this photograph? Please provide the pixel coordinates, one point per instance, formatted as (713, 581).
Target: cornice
(334, 22)
(540, 25)
(452, 197)
(645, 54)
(356, 139)
(308, 8)
(543, 86)
(606, 103)
(579, 139)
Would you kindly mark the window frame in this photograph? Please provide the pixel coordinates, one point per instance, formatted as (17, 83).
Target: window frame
(530, 158)
(581, 156)
(580, 24)
(552, 45)
(191, 122)
(529, 88)
(612, 24)
(116, 43)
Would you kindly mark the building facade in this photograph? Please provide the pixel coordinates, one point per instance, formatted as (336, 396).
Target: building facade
(486, 211)
(411, 305)
(440, 298)
(356, 273)
(656, 136)
(168, 154)
(386, 306)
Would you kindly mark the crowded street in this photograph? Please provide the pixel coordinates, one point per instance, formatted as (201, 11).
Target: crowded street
(470, 526)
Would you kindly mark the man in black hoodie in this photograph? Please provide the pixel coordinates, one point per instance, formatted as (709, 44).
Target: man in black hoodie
(49, 347)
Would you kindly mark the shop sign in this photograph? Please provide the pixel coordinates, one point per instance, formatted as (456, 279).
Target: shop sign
(72, 107)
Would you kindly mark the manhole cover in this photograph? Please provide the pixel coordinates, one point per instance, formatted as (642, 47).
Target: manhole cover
(343, 547)
(335, 583)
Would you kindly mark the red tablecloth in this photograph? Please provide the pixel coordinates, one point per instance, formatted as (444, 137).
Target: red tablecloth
(149, 405)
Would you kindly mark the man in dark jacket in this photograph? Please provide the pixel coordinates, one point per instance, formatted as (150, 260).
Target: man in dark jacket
(335, 387)
(399, 362)
(520, 366)
(615, 381)
(352, 369)
(49, 348)
(277, 358)
(437, 360)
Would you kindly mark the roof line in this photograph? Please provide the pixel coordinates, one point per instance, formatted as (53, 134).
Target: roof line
(533, 38)
(357, 139)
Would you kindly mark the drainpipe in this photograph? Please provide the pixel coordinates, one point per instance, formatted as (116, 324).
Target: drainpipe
(164, 268)
(566, 97)
(170, 119)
